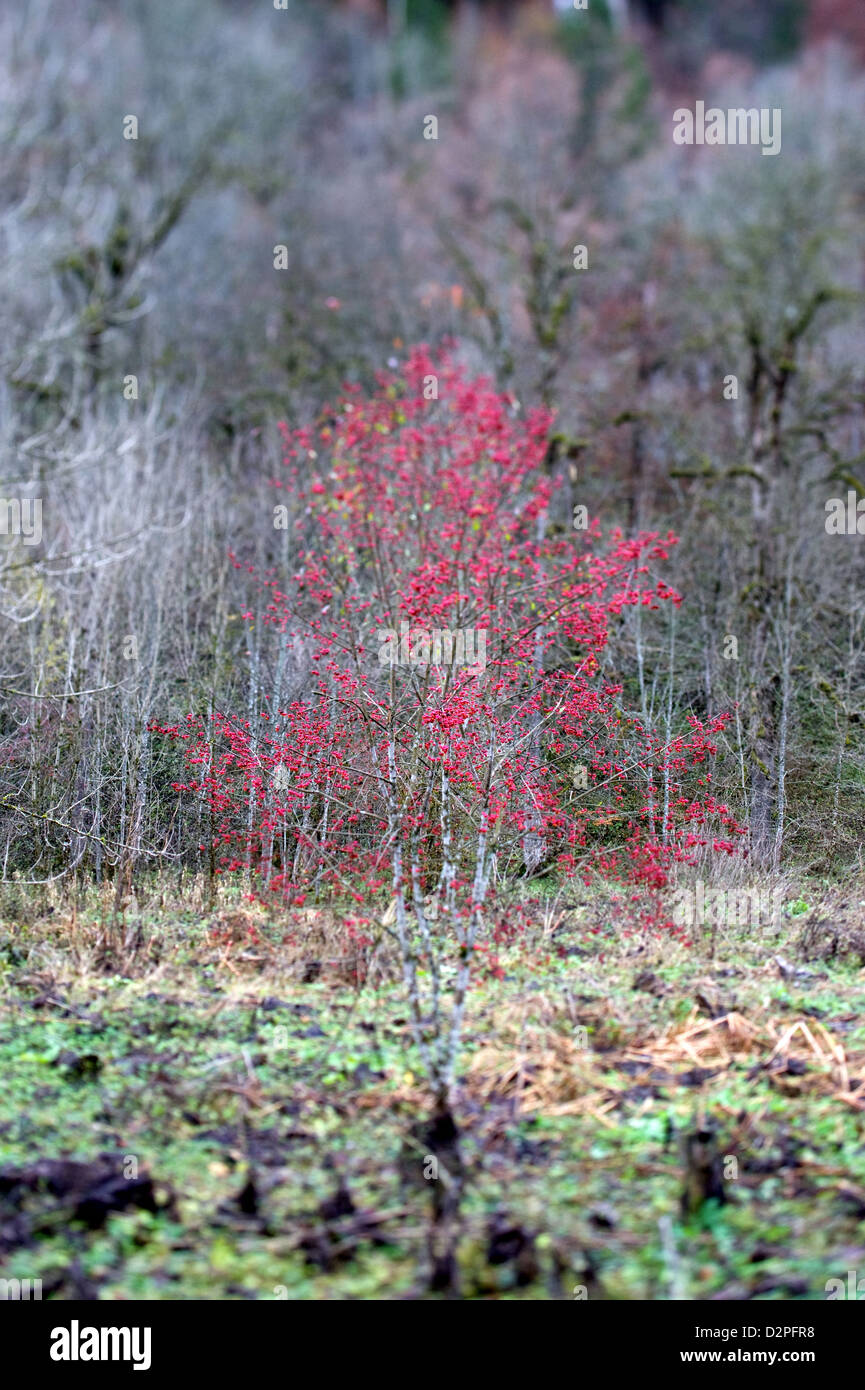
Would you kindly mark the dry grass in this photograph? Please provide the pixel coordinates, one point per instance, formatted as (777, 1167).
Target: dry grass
(548, 1073)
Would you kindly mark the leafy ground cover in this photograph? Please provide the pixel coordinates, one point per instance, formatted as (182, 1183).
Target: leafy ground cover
(198, 1107)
